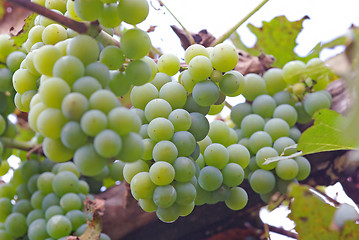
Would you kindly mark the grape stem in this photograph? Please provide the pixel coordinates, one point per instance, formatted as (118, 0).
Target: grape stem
(12, 143)
(228, 105)
(229, 32)
(92, 29)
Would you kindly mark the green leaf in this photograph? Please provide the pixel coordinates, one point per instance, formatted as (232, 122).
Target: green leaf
(327, 134)
(21, 37)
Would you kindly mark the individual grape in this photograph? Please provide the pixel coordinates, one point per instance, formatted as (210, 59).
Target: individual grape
(36, 198)
(180, 119)
(199, 126)
(239, 111)
(88, 10)
(303, 168)
(224, 57)
(202, 197)
(148, 147)
(86, 86)
(45, 58)
(254, 86)
(141, 95)
(56, 151)
(5, 79)
(303, 116)
(238, 154)
(35, 33)
(84, 47)
(15, 225)
(54, 4)
(7, 190)
(68, 166)
(230, 84)
(315, 101)
(287, 113)
(133, 11)
(103, 100)
(109, 16)
(200, 68)
(160, 79)
(187, 209)
(233, 175)
(169, 214)
(22, 206)
(141, 186)
(14, 60)
(276, 128)
(218, 131)
(31, 184)
(53, 211)
(131, 169)
(26, 98)
(5, 208)
(293, 71)
(264, 106)
(210, 178)
(164, 196)
(107, 143)
(77, 218)
(162, 173)
(147, 205)
(262, 181)
(205, 93)
(216, 155)
(238, 198)
(216, 76)
(281, 143)
(69, 68)
(298, 89)
(72, 135)
(52, 91)
(186, 193)
(193, 51)
(70, 201)
(174, 93)
(185, 142)
(165, 151)
(295, 134)
(287, 169)
(58, 226)
(123, 121)
(220, 195)
(251, 124)
(116, 171)
(34, 215)
(135, 43)
(284, 97)
(259, 140)
(93, 122)
(184, 169)
(112, 56)
(99, 71)
(23, 80)
(50, 122)
(192, 106)
(65, 182)
(169, 64)
(138, 72)
(152, 64)
(53, 34)
(88, 161)
(119, 84)
(157, 108)
(49, 200)
(132, 147)
(274, 80)
(187, 81)
(263, 154)
(160, 129)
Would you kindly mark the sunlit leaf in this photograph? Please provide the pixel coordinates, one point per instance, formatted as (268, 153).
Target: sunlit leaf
(21, 37)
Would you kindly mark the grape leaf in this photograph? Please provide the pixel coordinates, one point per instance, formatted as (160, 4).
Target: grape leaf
(21, 37)
(327, 134)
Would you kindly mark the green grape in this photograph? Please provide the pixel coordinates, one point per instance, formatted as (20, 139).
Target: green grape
(119, 84)
(295, 134)
(152, 65)
(50, 122)
(205, 93)
(192, 106)
(303, 168)
(133, 11)
(53, 34)
(138, 72)
(276, 128)
(141, 95)
(231, 84)
(99, 71)
(200, 68)
(22, 192)
(232, 138)
(88, 10)
(233, 175)
(5, 208)
(107, 143)
(123, 121)
(72, 135)
(287, 113)
(112, 56)
(84, 188)
(49, 200)
(274, 80)
(202, 197)
(77, 218)
(165, 151)
(131, 169)
(263, 154)
(62, 45)
(44, 182)
(216, 155)
(220, 195)
(238, 199)
(224, 57)
(52, 91)
(132, 147)
(303, 116)
(4, 167)
(315, 101)
(69, 68)
(109, 16)
(26, 98)
(86, 86)
(88, 161)
(18, 104)
(23, 80)
(254, 86)
(180, 119)
(70, 201)
(160, 129)
(185, 142)
(287, 169)
(45, 58)
(53, 211)
(58, 226)
(284, 97)
(35, 34)
(31, 184)
(162, 173)
(141, 186)
(258, 140)
(184, 169)
(56, 151)
(5, 79)
(14, 60)
(218, 131)
(93, 122)
(210, 178)
(4, 235)
(345, 213)
(316, 67)
(174, 93)
(298, 89)
(65, 182)
(251, 124)
(199, 126)
(281, 143)
(238, 154)
(168, 63)
(193, 51)
(103, 100)
(15, 225)
(262, 181)
(84, 47)
(37, 230)
(164, 196)
(36, 199)
(239, 111)
(186, 193)
(135, 43)
(293, 71)
(187, 81)
(116, 170)
(216, 76)
(33, 215)
(264, 106)
(148, 148)
(168, 215)
(81, 230)
(59, 5)
(160, 79)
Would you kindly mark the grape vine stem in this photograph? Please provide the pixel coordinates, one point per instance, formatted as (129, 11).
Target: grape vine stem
(228, 33)
(228, 105)
(12, 143)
